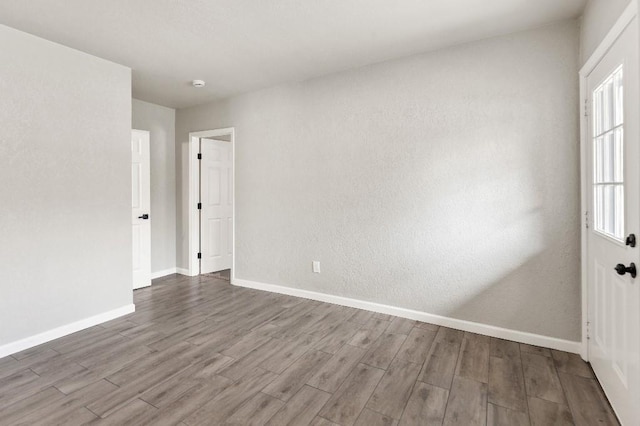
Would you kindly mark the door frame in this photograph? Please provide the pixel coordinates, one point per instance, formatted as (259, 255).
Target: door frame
(194, 191)
(612, 36)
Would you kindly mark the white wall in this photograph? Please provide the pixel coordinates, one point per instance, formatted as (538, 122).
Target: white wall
(446, 182)
(160, 121)
(598, 18)
(65, 198)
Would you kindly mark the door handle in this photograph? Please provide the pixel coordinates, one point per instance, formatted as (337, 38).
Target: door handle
(144, 216)
(621, 269)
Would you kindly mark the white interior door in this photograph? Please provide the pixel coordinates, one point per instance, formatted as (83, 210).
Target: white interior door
(614, 187)
(216, 213)
(141, 201)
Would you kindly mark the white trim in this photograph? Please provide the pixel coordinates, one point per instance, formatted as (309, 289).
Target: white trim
(584, 208)
(183, 271)
(56, 333)
(474, 327)
(163, 273)
(618, 28)
(194, 190)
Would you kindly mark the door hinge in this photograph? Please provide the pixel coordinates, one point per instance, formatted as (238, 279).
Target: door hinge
(586, 219)
(199, 156)
(588, 331)
(199, 206)
(199, 255)
(586, 107)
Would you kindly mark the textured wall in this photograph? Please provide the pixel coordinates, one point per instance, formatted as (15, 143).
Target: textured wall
(598, 18)
(161, 122)
(65, 198)
(446, 182)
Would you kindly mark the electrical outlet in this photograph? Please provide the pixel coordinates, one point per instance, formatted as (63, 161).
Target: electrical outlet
(316, 266)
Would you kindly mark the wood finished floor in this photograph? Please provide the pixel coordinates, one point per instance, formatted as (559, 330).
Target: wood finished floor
(201, 351)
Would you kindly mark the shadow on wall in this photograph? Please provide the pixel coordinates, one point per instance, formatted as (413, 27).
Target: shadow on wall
(513, 299)
(481, 227)
(526, 264)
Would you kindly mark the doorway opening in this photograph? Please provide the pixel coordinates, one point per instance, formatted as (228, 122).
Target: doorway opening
(212, 203)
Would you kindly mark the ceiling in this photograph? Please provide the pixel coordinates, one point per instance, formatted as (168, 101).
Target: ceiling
(241, 45)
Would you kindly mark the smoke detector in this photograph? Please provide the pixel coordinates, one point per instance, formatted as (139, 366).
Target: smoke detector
(198, 83)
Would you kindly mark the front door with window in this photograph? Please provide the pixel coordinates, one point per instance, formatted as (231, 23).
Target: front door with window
(614, 214)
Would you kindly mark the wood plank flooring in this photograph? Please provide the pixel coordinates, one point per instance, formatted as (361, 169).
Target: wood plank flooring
(199, 351)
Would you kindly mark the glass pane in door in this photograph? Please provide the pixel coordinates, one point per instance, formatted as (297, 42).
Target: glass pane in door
(608, 156)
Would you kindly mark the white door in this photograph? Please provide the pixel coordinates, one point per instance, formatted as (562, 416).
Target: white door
(614, 187)
(216, 213)
(141, 201)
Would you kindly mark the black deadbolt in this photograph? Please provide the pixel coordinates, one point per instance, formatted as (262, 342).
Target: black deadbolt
(621, 269)
(144, 216)
(631, 240)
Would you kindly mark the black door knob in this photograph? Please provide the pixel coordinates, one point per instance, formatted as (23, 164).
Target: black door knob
(621, 269)
(144, 216)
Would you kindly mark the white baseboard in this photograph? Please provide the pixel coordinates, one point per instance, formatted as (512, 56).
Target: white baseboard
(474, 327)
(38, 339)
(183, 271)
(164, 273)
